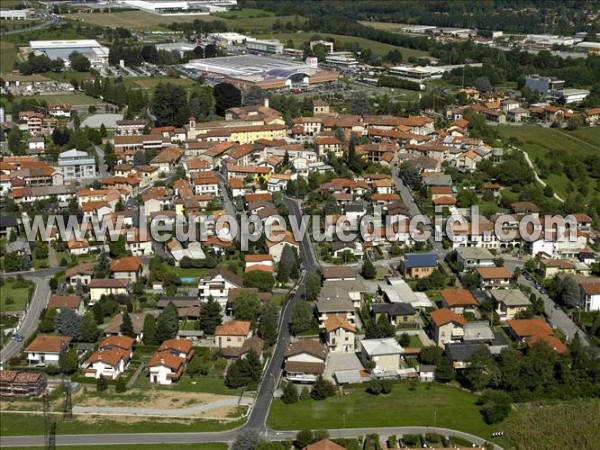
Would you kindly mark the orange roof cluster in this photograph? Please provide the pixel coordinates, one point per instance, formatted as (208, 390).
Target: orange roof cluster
(458, 297)
(233, 328)
(443, 316)
(337, 321)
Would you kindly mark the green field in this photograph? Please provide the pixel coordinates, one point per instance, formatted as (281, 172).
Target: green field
(9, 56)
(539, 142)
(76, 98)
(43, 34)
(18, 424)
(378, 48)
(140, 20)
(386, 26)
(151, 82)
(67, 75)
(426, 405)
(210, 446)
(13, 299)
(245, 13)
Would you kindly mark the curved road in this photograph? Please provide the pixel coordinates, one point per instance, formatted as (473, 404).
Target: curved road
(30, 321)
(225, 436)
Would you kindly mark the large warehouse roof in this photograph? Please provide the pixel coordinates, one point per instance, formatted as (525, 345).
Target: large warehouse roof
(250, 67)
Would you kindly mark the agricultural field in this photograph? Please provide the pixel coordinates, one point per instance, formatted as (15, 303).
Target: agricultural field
(151, 82)
(572, 424)
(550, 144)
(386, 26)
(140, 20)
(378, 48)
(9, 56)
(245, 13)
(209, 446)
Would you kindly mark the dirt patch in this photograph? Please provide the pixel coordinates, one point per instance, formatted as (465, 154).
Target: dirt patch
(223, 412)
(93, 419)
(147, 398)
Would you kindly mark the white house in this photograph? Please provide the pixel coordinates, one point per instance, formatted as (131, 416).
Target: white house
(340, 334)
(590, 296)
(166, 368)
(46, 350)
(305, 361)
(385, 353)
(276, 246)
(62, 302)
(217, 285)
(101, 287)
(111, 359)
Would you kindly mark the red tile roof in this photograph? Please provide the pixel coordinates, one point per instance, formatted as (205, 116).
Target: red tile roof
(48, 344)
(443, 316)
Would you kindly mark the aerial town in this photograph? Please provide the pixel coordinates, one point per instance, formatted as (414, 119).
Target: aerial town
(276, 225)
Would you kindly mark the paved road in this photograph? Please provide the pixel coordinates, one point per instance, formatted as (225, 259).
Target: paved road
(260, 410)
(409, 201)
(102, 167)
(557, 316)
(227, 436)
(30, 321)
(227, 203)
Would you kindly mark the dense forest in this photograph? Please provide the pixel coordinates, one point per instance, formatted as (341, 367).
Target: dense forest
(513, 16)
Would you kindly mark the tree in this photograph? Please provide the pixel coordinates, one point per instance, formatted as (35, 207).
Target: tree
(248, 439)
(267, 325)
(569, 292)
(57, 65)
(244, 372)
(14, 140)
(253, 96)
(117, 248)
(98, 313)
(149, 329)
(210, 316)
(466, 198)
(375, 386)
(322, 389)
(548, 191)
(304, 438)
(226, 96)
(313, 285)
(210, 51)
(368, 270)
(89, 328)
(150, 54)
(404, 340)
(167, 324)
(290, 393)
(170, 105)
(431, 355)
(496, 406)
(79, 62)
(126, 327)
(47, 323)
(101, 384)
(247, 306)
(444, 371)
(121, 385)
(263, 281)
(139, 158)
(482, 370)
(68, 361)
(68, 323)
(302, 318)
(483, 84)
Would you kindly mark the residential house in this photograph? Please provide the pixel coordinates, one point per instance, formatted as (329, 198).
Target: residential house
(532, 331)
(396, 313)
(63, 302)
(460, 353)
(111, 359)
(509, 302)
(127, 268)
(81, 273)
(493, 277)
(459, 301)
(338, 273)
(590, 295)
(471, 257)
(259, 262)
(232, 334)
(165, 368)
(340, 334)
(448, 326)
(385, 353)
(276, 244)
(113, 328)
(419, 265)
(205, 183)
(167, 159)
(324, 444)
(100, 287)
(77, 165)
(217, 285)
(130, 127)
(304, 361)
(326, 144)
(46, 350)
(78, 247)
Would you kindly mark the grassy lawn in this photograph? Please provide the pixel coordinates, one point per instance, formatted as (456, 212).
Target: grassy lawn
(378, 47)
(17, 295)
(9, 56)
(209, 446)
(541, 142)
(415, 342)
(16, 424)
(195, 273)
(76, 98)
(209, 384)
(43, 34)
(141, 20)
(278, 299)
(453, 408)
(245, 13)
(68, 75)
